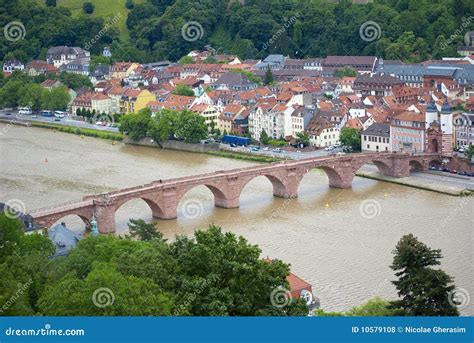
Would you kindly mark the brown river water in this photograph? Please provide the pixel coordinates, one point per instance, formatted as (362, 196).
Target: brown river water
(340, 241)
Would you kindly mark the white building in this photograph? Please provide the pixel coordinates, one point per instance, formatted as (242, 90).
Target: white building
(322, 133)
(376, 138)
(271, 118)
(60, 55)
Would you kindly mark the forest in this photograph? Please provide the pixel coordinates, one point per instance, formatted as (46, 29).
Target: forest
(409, 30)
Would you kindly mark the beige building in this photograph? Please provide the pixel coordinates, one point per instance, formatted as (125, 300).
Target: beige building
(322, 133)
(209, 112)
(376, 138)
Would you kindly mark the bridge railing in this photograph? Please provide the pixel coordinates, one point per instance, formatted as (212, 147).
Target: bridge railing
(65, 206)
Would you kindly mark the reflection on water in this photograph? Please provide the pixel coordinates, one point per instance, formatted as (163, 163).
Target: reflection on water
(338, 240)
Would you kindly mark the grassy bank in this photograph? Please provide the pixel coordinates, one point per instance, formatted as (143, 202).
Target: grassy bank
(80, 131)
(244, 156)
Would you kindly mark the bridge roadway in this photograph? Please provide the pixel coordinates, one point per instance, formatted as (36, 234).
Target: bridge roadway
(163, 196)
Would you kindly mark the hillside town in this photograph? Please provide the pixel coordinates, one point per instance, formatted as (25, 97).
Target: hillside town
(425, 107)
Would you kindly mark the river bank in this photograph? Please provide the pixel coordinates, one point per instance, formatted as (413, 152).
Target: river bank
(214, 150)
(416, 182)
(115, 136)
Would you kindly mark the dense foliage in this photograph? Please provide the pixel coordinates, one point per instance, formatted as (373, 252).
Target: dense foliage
(22, 90)
(411, 30)
(350, 138)
(167, 124)
(423, 291)
(215, 273)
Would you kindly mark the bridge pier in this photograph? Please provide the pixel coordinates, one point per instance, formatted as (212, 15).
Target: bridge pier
(399, 168)
(227, 202)
(105, 217)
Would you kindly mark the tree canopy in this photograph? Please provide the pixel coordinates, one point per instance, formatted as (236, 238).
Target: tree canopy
(214, 273)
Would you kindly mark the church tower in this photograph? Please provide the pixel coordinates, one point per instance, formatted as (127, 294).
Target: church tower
(446, 121)
(431, 114)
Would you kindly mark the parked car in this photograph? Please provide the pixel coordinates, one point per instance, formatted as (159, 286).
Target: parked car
(232, 145)
(453, 171)
(328, 148)
(277, 150)
(8, 114)
(57, 119)
(266, 149)
(462, 173)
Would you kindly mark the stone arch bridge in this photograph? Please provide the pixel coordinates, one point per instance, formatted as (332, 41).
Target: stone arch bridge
(163, 196)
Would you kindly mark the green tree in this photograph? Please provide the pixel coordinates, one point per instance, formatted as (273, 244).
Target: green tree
(164, 125)
(88, 7)
(231, 277)
(11, 232)
(56, 98)
(264, 137)
(32, 95)
(373, 308)
(50, 3)
(210, 60)
(136, 125)
(146, 232)
(129, 4)
(183, 90)
(268, 79)
(186, 60)
(302, 138)
(75, 81)
(350, 137)
(424, 291)
(469, 151)
(190, 127)
(345, 72)
(105, 292)
(10, 93)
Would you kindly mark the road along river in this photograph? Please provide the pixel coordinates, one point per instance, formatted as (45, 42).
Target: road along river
(338, 240)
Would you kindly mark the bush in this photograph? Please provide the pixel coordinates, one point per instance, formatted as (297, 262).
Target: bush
(88, 7)
(129, 4)
(277, 143)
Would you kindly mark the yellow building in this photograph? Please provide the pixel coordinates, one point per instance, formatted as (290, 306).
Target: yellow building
(134, 100)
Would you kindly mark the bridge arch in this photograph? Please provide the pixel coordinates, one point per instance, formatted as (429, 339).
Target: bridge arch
(416, 165)
(70, 220)
(193, 207)
(155, 208)
(382, 166)
(278, 184)
(434, 162)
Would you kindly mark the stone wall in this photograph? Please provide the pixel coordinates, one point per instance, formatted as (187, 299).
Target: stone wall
(463, 164)
(175, 145)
